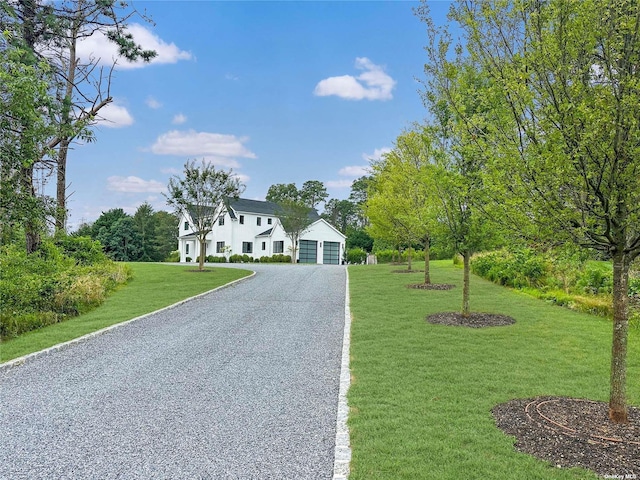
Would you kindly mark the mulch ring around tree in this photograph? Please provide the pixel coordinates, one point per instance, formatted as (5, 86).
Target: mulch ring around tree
(405, 270)
(474, 320)
(431, 286)
(570, 432)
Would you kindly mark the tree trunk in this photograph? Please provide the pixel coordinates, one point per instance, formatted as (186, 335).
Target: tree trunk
(427, 276)
(294, 250)
(203, 243)
(61, 187)
(31, 224)
(465, 284)
(617, 398)
(409, 258)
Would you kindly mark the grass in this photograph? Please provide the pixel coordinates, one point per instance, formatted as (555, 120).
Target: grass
(152, 287)
(422, 394)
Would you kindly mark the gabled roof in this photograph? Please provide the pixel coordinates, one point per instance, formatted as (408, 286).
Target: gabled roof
(245, 205)
(266, 233)
(259, 207)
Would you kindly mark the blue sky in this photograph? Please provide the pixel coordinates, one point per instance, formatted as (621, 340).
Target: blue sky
(280, 92)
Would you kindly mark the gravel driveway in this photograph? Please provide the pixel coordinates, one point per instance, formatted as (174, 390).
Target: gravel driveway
(239, 384)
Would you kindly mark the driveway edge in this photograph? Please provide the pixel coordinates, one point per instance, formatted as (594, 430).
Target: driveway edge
(16, 362)
(343, 445)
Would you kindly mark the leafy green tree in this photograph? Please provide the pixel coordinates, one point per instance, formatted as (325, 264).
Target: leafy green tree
(166, 234)
(80, 87)
(23, 135)
(404, 176)
(358, 196)
(106, 219)
(283, 192)
(295, 220)
(384, 209)
(563, 138)
(199, 196)
(121, 241)
(145, 225)
(312, 193)
(359, 238)
(340, 213)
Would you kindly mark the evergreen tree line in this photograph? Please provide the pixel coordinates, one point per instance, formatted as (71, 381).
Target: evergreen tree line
(147, 236)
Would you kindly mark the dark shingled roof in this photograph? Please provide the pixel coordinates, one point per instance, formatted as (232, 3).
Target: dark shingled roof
(245, 205)
(266, 233)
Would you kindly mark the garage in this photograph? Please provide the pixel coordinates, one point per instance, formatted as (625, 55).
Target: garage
(308, 251)
(331, 253)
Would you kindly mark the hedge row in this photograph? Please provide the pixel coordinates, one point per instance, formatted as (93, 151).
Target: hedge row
(65, 278)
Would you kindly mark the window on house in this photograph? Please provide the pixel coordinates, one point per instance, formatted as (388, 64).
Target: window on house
(259, 221)
(247, 247)
(186, 249)
(219, 247)
(186, 225)
(241, 219)
(221, 220)
(264, 245)
(278, 247)
(268, 221)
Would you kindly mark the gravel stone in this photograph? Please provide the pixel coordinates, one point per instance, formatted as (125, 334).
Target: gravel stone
(238, 384)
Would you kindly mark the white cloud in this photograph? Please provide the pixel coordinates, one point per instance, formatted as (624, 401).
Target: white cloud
(98, 47)
(354, 171)
(133, 184)
(171, 171)
(231, 76)
(179, 119)
(338, 183)
(376, 155)
(242, 177)
(372, 84)
(220, 161)
(114, 116)
(202, 144)
(153, 103)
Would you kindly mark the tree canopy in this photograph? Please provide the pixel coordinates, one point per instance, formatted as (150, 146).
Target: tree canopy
(199, 196)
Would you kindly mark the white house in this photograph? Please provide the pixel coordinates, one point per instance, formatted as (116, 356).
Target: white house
(252, 227)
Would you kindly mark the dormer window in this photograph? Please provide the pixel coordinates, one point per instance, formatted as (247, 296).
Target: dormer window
(221, 220)
(186, 225)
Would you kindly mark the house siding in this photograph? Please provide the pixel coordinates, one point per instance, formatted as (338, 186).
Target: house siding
(233, 234)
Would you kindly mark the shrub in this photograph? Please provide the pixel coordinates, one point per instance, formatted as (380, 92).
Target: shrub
(596, 279)
(518, 268)
(173, 257)
(187, 259)
(213, 259)
(356, 255)
(83, 250)
(634, 284)
(237, 258)
(386, 256)
(46, 287)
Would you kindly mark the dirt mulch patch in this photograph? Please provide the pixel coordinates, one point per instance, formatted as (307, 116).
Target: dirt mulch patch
(431, 286)
(407, 271)
(570, 432)
(474, 320)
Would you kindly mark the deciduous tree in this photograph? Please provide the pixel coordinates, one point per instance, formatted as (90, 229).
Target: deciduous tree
(199, 195)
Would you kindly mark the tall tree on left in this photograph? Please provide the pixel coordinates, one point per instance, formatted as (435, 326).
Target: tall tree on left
(200, 196)
(24, 133)
(81, 86)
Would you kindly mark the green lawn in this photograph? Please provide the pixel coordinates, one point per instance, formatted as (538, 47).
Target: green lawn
(152, 287)
(422, 394)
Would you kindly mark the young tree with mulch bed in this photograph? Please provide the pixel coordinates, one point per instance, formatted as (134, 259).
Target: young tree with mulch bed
(563, 135)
